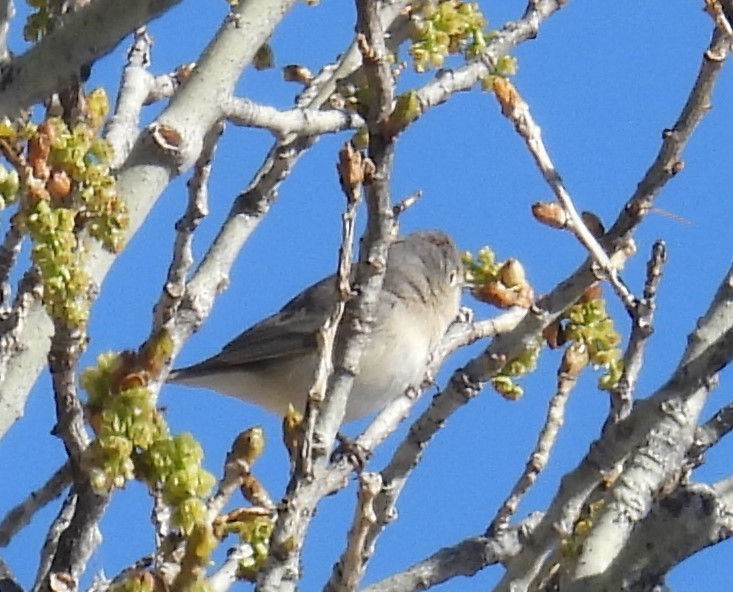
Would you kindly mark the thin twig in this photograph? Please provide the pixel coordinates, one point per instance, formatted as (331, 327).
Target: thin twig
(710, 433)
(196, 209)
(76, 538)
(641, 330)
(517, 110)
(67, 346)
(50, 544)
(351, 177)
(540, 456)
(408, 202)
(21, 515)
(465, 558)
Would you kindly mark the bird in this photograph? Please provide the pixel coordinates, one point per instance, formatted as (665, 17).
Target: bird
(273, 363)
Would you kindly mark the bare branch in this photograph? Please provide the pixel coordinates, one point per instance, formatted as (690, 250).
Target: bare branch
(710, 433)
(122, 128)
(578, 484)
(8, 256)
(517, 110)
(50, 544)
(641, 330)
(463, 559)
(76, 537)
(196, 209)
(349, 570)
(678, 525)
(540, 456)
(283, 568)
(351, 177)
(298, 122)
(88, 34)
(22, 514)
(658, 458)
(226, 576)
(66, 347)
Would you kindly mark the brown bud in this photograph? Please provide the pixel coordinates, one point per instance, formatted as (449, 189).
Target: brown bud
(496, 295)
(297, 73)
(255, 493)
(550, 214)
(59, 184)
(574, 360)
(350, 166)
(507, 94)
(554, 335)
(39, 147)
(594, 292)
(593, 223)
(134, 380)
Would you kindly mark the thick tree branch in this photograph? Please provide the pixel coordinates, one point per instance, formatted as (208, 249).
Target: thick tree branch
(678, 525)
(196, 209)
(660, 457)
(7, 12)
(86, 35)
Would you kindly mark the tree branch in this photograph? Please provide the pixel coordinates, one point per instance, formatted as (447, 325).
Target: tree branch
(540, 456)
(88, 34)
(122, 128)
(299, 121)
(463, 559)
(22, 514)
(641, 329)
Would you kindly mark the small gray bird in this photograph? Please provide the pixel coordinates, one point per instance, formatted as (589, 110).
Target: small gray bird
(273, 363)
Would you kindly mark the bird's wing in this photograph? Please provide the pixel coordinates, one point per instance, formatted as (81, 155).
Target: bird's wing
(289, 332)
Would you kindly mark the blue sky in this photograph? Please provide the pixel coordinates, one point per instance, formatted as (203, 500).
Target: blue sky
(603, 80)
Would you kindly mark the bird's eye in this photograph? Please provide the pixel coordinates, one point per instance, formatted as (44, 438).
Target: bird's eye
(453, 277)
